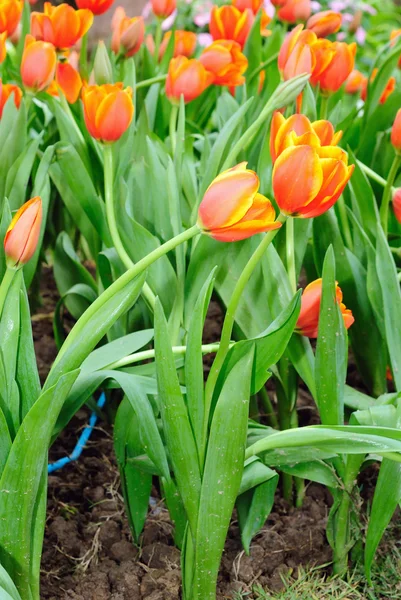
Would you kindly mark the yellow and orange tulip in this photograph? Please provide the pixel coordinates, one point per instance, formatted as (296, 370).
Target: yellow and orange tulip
(187, 78)
(292, 11)
(342, 59)
(108, 110)
(38, 65)
(184, 43)
(253, 5)
(389, 89)
(60, 25)
(296, 40)
(397, 204)
(227, 63)
(355, 82)
(163, 8)
(97, 7)
(128, 33)
(6, 90)
(308, 320)
(69, 81)
(10, 15)
(325, 23)
(396, 132)
(22, 235)
(229, 23)
(232, 209)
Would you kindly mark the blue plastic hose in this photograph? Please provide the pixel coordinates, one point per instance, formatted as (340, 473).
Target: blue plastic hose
(82, 441)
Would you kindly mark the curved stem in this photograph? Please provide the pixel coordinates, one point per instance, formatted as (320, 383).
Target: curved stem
(290, 253)
(112, 221)
(387, 192)
(228, 324)
(173, 127)
(371, 174)
(151, 81)
(5, 286)
(83, 57)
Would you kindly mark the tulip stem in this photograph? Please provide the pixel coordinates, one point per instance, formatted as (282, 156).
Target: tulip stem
(345, 228)
(147, 293)
(263, 66)
(228, 325)
(387, 192)
(158, 38)
(5, 286)
(83, 57)
(173, 127)
(290, 254)
(151, 81)
(324, 105)
(371, 174)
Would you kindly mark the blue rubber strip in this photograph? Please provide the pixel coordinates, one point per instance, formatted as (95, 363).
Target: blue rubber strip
(82, 441)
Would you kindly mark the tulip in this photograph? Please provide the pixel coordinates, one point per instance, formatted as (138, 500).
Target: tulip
(308, 177)
(389, 89)
(6, 90)
(397, 204)
(163, 8)
(232, 209)
(128, 34)
(22, 235)
(228, 23)
(184, 43)
(341, 64)
(396, 132)
(10, 15)
(188, 78)
(253, 5)
(108, 110)
(61, 25)
(295, 10)
(38, 64)
(282, 130)
(308, 320)
(355, 82)
(3, 47)
(97, 7)
(69, 80)
(298, 37)
(325, 23)
(227, 63)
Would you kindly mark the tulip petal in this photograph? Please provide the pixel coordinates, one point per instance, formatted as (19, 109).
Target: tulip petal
(114, 116)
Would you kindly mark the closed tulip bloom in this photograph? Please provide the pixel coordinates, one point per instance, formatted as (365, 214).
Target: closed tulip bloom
(227, 63)
(128, 33)
(232, 209)
(389, 89)
(22, 235)
(325, 23)
(38, 65)
(355, 82)
(69, 80)
(308, 320)
(229, 23)
(397, 204)
(97, 7)
(308, 178)
(10, 15)
(7, 90)
(332, 77)
(108, 110)
(187, 78)
(296, 39)
(60, 25)
(163, 8)
(184, 43)
(253, 5)
(295, 10)
(396, 132)
(3, 47)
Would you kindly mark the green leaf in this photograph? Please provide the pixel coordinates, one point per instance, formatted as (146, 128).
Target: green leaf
(253, 52)
(176, 509)
(377, 86)
(13, 145)
(331, 350)
(19, 174)
(364, 199)
(110, 353)
(7, 586)
(81, 293)
(4, 224)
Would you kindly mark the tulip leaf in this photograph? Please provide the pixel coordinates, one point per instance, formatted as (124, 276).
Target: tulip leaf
(19, 174)
(81, 293)
(12, 146)
(253, 52)
(364, 199)
(102, 357)
(377, 86)
(7, 587)
(5, 221)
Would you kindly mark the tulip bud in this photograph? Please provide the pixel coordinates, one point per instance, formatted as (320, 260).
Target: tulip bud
(10, 15)
(38, 64)
(3, 47)
(22, 235)
(97, 7)
(397, 204)
(396, 132)
(128, 34)
(187, 78)
(60, 25)
(184, 43)
(232, 209)
(308, 320)
(254, 5)
(102, 69)
(163, 8)
(325, 23)
(228, 23)
(295, 10)
(108, 110)
(6, 90)
(225, 60)
(355, 82)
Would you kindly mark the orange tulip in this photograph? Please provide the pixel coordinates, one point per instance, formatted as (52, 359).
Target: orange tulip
(389, 89)
(295, 10)
(60, 25)
(188, 78)
(3, 47)
(325, 23)
(97, 7)
(282, 130)
(38, 64)
(10, 15)
(397, 204)
(232, 209)
(163, 8)
(184, 43)
(308, 320)
(229, 23)
(295, 40)
(308, 177)
(108, 110)
(355, 82)
(69, 80)
(340, 65)
(22, 235)
(253, 5)
(128, 34)
(6, 90)
(227, 63)
(396, 132)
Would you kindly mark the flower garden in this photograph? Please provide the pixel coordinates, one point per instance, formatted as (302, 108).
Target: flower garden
(200, 302)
